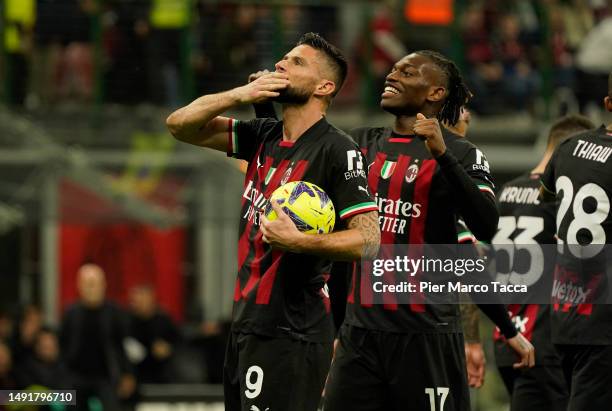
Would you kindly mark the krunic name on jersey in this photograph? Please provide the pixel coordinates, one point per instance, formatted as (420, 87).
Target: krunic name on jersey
(520, 195)
(592, 151)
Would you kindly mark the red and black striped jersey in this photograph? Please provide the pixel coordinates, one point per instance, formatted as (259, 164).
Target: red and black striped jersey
(419, 201)
(580, 175)
(524, 221)
(281, 293)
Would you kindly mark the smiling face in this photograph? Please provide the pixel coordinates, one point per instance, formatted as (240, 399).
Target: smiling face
(307, 75)
(413, 83)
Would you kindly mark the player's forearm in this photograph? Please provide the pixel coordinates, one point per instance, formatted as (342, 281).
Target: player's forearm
(360, 240)
(477, 208)
(471, 322)
(187, 123)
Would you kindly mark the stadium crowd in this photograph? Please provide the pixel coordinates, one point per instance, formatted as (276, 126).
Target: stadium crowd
(160, 52)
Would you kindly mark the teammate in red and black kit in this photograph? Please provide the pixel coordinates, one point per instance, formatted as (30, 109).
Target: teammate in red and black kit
(392, 356)
(523, 220)
(579, 174)
(281, 329)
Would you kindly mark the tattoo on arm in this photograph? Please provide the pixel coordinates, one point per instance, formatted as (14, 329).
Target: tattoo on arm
(471, 322)
(367, 224)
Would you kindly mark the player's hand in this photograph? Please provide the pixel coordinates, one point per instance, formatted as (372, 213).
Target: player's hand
(524, 349)
(265, 87)
(475, 359)
(256, 75)
(282, 232)
(429, 129)
(127, 386)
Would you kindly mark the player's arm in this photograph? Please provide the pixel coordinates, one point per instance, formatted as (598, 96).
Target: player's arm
(199, 122)
(476, 202)
(361, 239)
(517, 341)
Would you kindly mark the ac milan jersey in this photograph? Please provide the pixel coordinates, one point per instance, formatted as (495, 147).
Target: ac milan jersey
(580, 174)
(523, 220)
(416, 206)
(280, 293)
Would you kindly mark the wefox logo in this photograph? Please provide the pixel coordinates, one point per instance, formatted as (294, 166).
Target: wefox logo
(569, 293)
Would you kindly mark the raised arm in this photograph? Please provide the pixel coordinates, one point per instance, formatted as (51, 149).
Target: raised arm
(360, 240)
(200, 123)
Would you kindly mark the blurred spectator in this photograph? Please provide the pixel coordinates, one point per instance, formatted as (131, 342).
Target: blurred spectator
(157, 334)
(484, 72)
(7, 377)
(19, 17)
(124, 41)
(74, 73)
(521, 81)
(594, 61)
(28, 326)
(92, 335)
(386, 49)
(44, 367)
(6, 326)
(166, 52)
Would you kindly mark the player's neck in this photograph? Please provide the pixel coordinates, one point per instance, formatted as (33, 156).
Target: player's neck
(298, 119)
(404, 125)
(539, 169)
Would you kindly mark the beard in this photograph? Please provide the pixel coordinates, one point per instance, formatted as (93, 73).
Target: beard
(293, 96)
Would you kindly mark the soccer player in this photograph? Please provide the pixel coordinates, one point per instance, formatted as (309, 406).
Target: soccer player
(410, 356)
(525, 220)
(281, 342)
(579, 174)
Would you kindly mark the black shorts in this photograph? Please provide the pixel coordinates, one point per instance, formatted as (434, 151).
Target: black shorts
(588, 373)
(541, 388)
(382, 371)
(265, 373)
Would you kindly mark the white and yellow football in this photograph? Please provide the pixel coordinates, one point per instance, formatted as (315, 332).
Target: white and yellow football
(308, 206)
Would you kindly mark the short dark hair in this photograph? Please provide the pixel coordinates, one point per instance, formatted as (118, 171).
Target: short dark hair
(610, 85)
(566, 126)
(458, 93)
(335, 58)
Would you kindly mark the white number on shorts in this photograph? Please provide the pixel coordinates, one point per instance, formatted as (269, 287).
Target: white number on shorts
(442, 392)
(254, 387)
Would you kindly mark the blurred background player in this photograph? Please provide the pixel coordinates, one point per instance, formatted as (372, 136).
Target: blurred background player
(524, 219)
(579, 174)
(393, 354)
(92, 335)
(156, 332)
(282, 271)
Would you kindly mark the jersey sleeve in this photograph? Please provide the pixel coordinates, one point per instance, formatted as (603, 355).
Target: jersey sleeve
(464, 235)
(244, 137)
(477, 167)
(469, 179)
(349, 179)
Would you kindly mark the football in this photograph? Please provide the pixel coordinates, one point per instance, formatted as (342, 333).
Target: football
(306, 204)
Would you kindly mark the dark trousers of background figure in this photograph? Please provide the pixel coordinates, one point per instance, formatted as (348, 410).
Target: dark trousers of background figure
(18, 73)
(102, 389)
(164, 66)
